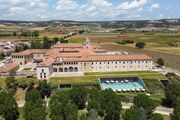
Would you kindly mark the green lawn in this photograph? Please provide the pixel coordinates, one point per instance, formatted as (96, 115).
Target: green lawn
(151, 80)
(93, 77)
(74, 80)
(27, 69)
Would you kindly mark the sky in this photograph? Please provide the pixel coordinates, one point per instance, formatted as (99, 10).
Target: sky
(88, 10)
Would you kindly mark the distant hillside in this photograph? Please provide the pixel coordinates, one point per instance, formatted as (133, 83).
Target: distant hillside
(104, 24)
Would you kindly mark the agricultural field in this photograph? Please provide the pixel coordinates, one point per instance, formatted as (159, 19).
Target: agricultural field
(157, 43)
(172, 60)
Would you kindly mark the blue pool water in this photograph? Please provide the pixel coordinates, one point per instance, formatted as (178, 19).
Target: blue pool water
(122, 83)
(134, 85)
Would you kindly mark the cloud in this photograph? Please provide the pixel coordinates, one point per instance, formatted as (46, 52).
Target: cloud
(154, 6)
(132, 5)
(103, 3)
(23, 9)
(66, 5)
(133, 16)
(72, 9)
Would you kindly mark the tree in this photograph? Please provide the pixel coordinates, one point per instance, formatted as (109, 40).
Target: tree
(34, 108)
(32, 95)
(14, 34)
(44, 88)
(11, 84)
(25, 47)
(55, 40)
(172, 94)
(140, 45)
(176, 112)
(36, 45)
(46, 43)
(132, 114)
(145, 102)
(79, 96)
(62, 107)
(113, 105)
(8, 107)
(95, 101)
(71, 111)
(37, 114)
(170, 75)
(18, 49)
(113, 113)
(2, 55)
(156, 116)
(36, 33)
(160, 61)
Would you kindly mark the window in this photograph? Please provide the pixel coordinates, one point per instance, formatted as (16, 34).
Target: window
(42, 70)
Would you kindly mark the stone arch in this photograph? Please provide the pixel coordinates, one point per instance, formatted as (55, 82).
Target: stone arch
(76, 69)
(60, 69)
(65, 70)
(71, 69)
(54, 69)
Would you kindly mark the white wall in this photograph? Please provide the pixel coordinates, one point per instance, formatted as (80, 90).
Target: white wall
(43, 73)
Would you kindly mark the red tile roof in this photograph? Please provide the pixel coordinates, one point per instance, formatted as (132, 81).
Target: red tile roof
(109, 58)
(47, 62)
(8, 67)
(30, 51)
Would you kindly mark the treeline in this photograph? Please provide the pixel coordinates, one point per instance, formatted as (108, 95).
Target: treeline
(5, 35)
(28, 33)
(46, 43)
(22, 33)
(123, 42)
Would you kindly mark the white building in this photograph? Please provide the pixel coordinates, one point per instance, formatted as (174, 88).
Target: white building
(68, 58)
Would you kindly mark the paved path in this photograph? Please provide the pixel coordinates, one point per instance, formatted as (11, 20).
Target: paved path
(163, 110)
(160, 109)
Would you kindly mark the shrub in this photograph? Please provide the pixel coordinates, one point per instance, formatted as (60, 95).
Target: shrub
(140, 45)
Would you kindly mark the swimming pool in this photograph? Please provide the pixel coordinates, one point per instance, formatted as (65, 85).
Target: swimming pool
(123, 84)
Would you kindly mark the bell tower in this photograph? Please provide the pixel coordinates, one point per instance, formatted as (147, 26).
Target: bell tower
(87, 43)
